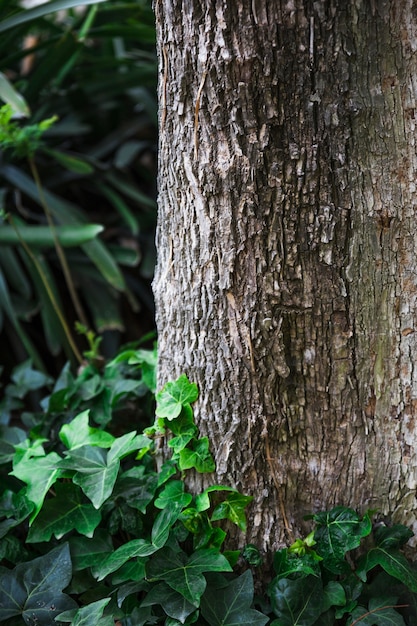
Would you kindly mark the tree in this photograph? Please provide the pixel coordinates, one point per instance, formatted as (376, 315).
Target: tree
(286, 282)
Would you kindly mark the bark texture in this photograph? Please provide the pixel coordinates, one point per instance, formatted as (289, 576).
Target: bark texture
(286, 283)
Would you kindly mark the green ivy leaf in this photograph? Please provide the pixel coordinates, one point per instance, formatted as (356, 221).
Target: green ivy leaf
(202, 500)
(173, 396)
(136, 487)
(172, 602)
(79, 433)
(392, 561)
(333, 595)
(231, 604)
(198, 457)
(92, 472)
(10, 437)
(379, 613)
(125, 445)
(88, 615)
(286, 564)
(233, 508)
(89, 552)
(65, 512)
(39, 473)
(297, 602)
(129, 550)
(185, 574)
(33, 590)
(392, 536)
(163, 524)
(26, 379)
(173, 495)
(339, 531)
(148, 360)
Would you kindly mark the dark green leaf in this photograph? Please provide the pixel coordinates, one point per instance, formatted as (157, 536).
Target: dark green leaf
(87, 552)
(231, 604)
(184, 574)
(286, 564)
(393, 562)
(337, 532)
(130, 550)
(88, 615)
(33, 589)
(233, 508)
(162, 525)
(379, 613)
(297, 602)
(65, 512)
(173, 603)
(392, 536)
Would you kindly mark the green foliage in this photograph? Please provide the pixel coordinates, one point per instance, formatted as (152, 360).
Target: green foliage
(77, 173)
(324, 579)
(103, 534)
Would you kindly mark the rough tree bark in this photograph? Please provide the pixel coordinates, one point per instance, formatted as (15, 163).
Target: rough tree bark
(286, 283)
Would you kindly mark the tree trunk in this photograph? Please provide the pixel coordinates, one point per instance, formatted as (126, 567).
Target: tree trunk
(286, 283)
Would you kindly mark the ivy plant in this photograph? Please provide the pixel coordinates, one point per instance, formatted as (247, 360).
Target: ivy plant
(93, 528)
(346, 572)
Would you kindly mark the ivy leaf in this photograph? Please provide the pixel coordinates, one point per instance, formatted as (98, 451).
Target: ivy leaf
(129, 550)
(128, 443)
(88, 552)
(296, 602)
(136, 487)
(148, 360)
(65, 512)
(393, 562)
(286, 564)
(339, 531)
(87, 615)
(79, 433)
(183, 573)
(33, 590)
(198, 457)
(379, 613)
(181, 441)
(92, 472)
(233, 508)
(173, 495)
(173, 396)
(202, 500)
(10, 436)
(231, 604)
(39, 474)
(333, 595)
(162, 525)
(173, 603)
(392, 536)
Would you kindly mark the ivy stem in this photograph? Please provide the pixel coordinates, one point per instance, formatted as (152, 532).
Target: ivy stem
(380, 608)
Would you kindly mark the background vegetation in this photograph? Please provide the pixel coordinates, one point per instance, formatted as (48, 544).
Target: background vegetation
(94, 68)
